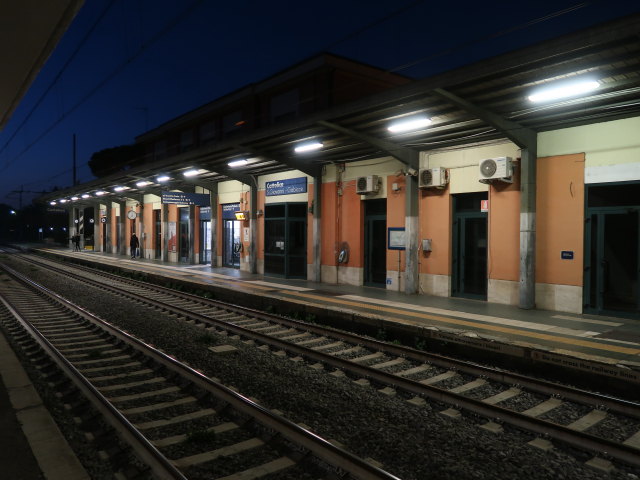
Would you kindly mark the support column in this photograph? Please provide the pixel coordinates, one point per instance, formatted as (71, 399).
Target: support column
(72, 225)
(253, 226)
(143, 238)
(192, 234)
(109, 213)
(528, 224)
(123, 228)
(213, 200)
(317, 230)
(411, 235)
(164, 219)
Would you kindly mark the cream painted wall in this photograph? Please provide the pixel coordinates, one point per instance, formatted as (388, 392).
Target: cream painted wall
(230, 192)
(463, 164)
(612, 149)
(383, 167)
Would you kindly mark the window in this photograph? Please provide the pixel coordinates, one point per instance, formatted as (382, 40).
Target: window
(285, 106)
(207, 132)
(232, 122)
(186, 140)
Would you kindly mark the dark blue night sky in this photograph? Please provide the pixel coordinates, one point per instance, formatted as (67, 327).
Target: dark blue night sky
(147, 61)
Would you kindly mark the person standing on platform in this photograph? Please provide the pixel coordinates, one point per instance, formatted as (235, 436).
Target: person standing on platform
(76, 243)
(134, 243)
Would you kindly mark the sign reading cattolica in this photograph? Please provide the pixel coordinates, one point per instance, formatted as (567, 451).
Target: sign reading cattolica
(182, 198)
(287, 186)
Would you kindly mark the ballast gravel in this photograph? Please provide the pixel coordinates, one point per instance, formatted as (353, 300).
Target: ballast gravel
(412, 442)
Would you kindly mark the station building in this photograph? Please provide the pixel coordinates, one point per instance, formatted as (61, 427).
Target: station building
(515, 180)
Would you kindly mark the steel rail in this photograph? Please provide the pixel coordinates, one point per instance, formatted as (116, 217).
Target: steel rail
(585, 441)
(597, 400)
(322, 449)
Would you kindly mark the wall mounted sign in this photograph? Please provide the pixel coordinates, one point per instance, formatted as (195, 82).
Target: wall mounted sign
(484, 205)
(182, 198)
(395, 240)
(287, 186)
(566, 254)
(229, 210)
(205, 213)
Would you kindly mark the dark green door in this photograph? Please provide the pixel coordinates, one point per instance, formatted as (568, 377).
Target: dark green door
(375, 243)
(612, 250)
(285, 240)
(469, 259)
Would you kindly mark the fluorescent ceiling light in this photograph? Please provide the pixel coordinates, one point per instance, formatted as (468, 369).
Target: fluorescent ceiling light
(64, 200)
(409, 124)
(53, 203)
(75, 198)
(566, 90)
(191, 173)
(100, 193)
(143, 183)
(163, 178)
(238, 163)
(308, 147)
(86, 195)
(119, 189)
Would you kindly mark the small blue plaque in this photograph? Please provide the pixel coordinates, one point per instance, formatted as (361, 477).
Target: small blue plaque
(566, 254)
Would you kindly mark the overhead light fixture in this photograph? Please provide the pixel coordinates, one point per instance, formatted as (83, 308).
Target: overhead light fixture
(85, 195)
(163, 178)
(119, 189)
(64, 200)
(409, 124)
(191, 173)
(308, 147)
(53, 203)
(238, 163)
(563, 90)
(143, 183)
(75, 198)
(100, 193)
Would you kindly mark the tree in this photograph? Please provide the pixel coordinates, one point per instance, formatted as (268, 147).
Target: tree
(115, 159)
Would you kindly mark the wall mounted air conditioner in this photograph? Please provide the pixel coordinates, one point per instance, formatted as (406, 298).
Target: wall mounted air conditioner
(500, 168)
(368, 184)
(433, 178)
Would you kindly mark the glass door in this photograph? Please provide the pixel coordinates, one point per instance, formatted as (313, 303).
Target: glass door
(205, 242)
(375, 243)
(232, 245)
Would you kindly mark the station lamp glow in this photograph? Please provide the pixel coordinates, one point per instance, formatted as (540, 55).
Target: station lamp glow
(308, 147)
(563, 90)
(101, 193)
(64, 200)
(119, 189)
(86, 195)
(238, 163)
(143, 183)
(191, 173)
(53, 203)
(163, 178)
(409, 124)
(75, 198)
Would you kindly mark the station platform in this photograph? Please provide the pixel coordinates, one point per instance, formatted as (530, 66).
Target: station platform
(602, 351)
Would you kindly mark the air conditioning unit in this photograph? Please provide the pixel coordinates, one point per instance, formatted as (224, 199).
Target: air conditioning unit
(368, 184)
(432, 177)
(500, 168)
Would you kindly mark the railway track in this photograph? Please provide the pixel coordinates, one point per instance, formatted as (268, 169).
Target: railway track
(176, 421)
(501, 397)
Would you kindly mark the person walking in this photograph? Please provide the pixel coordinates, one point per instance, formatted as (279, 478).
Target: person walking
(134, 243)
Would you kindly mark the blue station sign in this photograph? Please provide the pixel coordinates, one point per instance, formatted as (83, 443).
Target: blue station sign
(229, 210)
(288, 186)
(182, 198)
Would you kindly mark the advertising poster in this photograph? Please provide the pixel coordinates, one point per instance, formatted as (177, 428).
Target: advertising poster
(172, 242)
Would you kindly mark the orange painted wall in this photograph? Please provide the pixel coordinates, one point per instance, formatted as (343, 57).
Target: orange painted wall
(395, 219)
(560, 219)
(350, 224)
(114, 229)
(435, 223)
(329, 224)
(261, 204)
(503, 262)
(309, 224)
(148, 227)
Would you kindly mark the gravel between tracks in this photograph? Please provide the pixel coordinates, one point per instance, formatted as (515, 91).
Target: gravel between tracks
(414, 443)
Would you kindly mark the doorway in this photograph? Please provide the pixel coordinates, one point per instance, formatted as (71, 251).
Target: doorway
(183, 237)
(612, 250)
(285, 240)
(469, 256)
(375, 243)
(157, 233)
(231, 245)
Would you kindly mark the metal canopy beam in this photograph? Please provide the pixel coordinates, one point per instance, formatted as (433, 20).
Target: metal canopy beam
(408, 156)
(304, 167)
